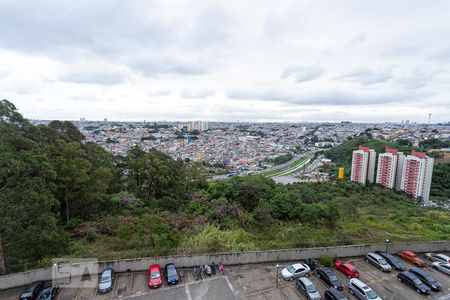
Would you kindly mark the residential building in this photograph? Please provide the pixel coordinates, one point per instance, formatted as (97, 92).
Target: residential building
(387, 168)
(416, 177)
(363, 165)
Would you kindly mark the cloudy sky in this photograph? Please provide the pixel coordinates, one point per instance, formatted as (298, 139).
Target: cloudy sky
(227, 60)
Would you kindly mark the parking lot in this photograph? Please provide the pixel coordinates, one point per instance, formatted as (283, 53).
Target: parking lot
(259, 282)
(251, 282)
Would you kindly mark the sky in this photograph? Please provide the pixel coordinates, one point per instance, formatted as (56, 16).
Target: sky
(253, 60)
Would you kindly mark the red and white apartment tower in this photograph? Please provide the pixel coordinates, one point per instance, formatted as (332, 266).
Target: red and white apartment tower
(363, 165)
(389, 168)
(416, 175)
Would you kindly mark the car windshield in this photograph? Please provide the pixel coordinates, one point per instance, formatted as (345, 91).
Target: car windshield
(154, 275)
(171, 271)
(291, 269)
(44, 295)
(355, 271)
(371, 294)
(105, 279)
(333, 278)
(417, 281)
(311, 288)
(383, 262)
(26, 294)
(430, 279)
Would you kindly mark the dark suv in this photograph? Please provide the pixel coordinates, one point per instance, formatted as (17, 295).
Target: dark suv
(392, 260)
(32, 291)
(334, 294)
(426, 278)
(329, 278)
(410, 279)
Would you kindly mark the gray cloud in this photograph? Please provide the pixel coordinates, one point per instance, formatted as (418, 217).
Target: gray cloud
(365, 76)
(323, 97)
(358, 39)
(156, 67)
(158, 93)
(93, 75)
(191, 94)
(302, 73)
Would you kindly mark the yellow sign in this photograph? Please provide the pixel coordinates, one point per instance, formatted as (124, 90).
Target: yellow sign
(341, 174)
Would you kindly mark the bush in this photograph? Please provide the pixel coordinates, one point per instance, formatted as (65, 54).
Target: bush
(91, 235)
(327, 260)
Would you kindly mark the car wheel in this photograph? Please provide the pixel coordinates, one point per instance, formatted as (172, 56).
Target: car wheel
(291, 278)
(307, 275)
(318, 275)
(399, 279)
(434, 267)
(418, 291)
(351, 292)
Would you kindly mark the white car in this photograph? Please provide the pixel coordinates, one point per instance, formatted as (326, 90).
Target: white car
(294, 271)
(443, 267)
(439, 257)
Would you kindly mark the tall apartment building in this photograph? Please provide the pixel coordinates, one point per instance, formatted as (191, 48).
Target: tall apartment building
(416, 175)
(363, 165)
(198, 125)
(387, 168)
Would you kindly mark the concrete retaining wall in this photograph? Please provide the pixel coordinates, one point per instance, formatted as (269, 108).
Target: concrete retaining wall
(232, 258)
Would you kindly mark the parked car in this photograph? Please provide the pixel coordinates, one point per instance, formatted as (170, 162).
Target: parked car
(443, 267)
(361, 290)
(306, 287)
(334, 294)
(411, 280)
(348, 269)
(171, 274)
(392, 260)
(378, 261)
(49, 293)
(154, 276)
(426, 278)
(328, 276)
(294, 271)
(106, 281)
(32, 291)
(439, 257)
(412, 258)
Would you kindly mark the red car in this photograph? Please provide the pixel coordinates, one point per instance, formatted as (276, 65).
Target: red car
(154, 276)
(412, 258)
(349, 270)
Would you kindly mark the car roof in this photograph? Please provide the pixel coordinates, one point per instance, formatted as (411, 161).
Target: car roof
(350, 266)
(374, 255)
(327, 271)
(357, 282)
(170, 265)
(154, 268)
(300, 265)
(408, 252)
(336, 292)
(409, 274)
(305, 280)
(419, 271)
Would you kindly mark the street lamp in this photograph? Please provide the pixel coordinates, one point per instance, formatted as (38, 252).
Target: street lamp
(277, 276)
(387, 243)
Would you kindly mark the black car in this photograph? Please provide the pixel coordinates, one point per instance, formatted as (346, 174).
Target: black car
(171, 274)
(426, 278)
(32, 291)
(392, 260)
(328, 276)
(410, 279)
(49, 293)
(334, 294)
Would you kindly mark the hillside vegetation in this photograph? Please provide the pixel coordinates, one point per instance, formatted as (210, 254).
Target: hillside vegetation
(62, 197)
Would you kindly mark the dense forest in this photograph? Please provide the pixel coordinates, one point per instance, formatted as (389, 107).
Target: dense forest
(62, 196)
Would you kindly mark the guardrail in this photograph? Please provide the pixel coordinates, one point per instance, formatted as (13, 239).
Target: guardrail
(231, 258)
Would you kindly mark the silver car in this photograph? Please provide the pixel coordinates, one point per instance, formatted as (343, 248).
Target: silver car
(294, 271)
(306, 287)
(359, 289)
(379, 262)
(443, 267)
(439, 257)
(106, 282)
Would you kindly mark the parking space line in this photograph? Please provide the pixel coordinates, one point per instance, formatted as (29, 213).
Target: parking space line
(188, 292)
